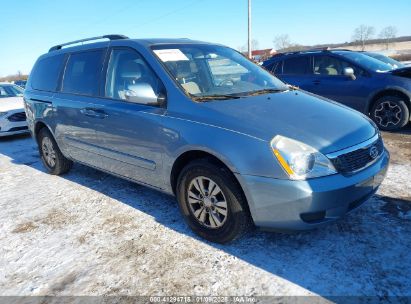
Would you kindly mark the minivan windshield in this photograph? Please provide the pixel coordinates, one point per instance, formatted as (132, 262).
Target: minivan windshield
(209, 72)
(366, 61)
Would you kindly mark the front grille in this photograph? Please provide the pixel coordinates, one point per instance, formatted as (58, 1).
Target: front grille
(358, 159)
(21, 116)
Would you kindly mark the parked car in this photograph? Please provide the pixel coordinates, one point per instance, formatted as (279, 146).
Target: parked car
(234, 144)
(21, 83)
(388, 60)
(12, 115)
(351, 78)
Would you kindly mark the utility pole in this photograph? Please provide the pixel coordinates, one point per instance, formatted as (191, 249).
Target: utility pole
(249, 30)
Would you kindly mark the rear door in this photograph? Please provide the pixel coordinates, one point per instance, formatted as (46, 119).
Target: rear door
(77, 105)
(295, 70)
(130, 137)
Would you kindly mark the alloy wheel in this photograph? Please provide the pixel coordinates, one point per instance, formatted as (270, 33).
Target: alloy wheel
(207, 202)
(49, 153)
(388, 113)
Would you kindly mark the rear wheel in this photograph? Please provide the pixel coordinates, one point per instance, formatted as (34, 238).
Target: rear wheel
(212, 202)
(390, 113)
(50, 154)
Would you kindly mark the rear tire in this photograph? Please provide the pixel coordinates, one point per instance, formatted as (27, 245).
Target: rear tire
(212, 202)
(390, 113)
(54, 161)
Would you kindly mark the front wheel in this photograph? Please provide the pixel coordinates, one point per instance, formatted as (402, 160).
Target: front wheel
(212, 202)
(390, 113)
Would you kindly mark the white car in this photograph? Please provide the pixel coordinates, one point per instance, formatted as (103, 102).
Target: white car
(12, 115)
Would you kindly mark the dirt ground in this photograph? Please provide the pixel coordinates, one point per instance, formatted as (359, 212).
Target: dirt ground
(89, 233)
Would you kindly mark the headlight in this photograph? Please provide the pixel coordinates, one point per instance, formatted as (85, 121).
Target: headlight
(300, 161)
(3, 113)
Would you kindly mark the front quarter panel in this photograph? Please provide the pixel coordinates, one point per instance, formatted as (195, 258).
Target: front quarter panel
(242, 153)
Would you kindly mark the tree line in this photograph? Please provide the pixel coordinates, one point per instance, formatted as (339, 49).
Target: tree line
(362, 35)
(18, 76)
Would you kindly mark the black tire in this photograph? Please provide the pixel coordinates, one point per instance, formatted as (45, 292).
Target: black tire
(61, 164)
(390, 113)
(237, 220)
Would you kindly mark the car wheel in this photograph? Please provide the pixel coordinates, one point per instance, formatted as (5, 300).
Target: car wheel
(50, 154)
(212, 202)
(390, 113)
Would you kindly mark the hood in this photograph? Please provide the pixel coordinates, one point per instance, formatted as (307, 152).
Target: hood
(403, 72)
(11, 103)
(318, 122)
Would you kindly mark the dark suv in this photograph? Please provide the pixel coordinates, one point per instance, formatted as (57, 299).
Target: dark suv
(352, 78)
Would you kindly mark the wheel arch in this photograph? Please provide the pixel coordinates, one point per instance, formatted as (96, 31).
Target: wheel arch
(38, 126)
(398, 92)
(188, 156)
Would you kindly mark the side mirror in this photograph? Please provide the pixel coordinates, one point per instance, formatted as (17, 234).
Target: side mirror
(143, 93)
(349, 72)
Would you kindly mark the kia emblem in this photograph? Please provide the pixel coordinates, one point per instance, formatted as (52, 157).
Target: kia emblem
(373, 152)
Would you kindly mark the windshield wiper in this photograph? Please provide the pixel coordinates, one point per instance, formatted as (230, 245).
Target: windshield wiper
(214, 97)
(260, 92)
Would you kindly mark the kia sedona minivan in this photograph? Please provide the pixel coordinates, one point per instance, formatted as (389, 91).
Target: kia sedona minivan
(235, 145)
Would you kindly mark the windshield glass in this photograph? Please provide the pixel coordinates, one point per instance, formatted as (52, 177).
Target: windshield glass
(10, 90)
(367, 61)
(216, 72)
(394, 63)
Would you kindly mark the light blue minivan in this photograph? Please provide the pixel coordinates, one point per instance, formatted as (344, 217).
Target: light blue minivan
(234, 144)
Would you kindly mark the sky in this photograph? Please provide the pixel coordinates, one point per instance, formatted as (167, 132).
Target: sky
(29, 28)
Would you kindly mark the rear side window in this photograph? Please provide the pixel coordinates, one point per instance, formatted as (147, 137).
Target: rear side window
(297, 65)
(45, 74)
(82, 74)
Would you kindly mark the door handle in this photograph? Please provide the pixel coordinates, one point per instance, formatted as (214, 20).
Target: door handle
(316, 81)
(92, 112)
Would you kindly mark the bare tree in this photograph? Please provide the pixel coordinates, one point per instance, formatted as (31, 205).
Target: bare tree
(254, 44)
(362, 34)
(282, 42)
(388, 33)
(242, 48)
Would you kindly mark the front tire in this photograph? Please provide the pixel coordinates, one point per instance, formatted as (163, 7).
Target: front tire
(54, 161)
(390, 113)
(212, 202)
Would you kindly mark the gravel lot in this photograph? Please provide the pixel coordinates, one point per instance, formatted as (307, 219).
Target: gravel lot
(89, 233)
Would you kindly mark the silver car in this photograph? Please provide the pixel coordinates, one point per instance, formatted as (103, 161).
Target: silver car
(12, 115)
(235, 145)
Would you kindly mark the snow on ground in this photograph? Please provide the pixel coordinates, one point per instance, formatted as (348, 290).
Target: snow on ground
(89, 233)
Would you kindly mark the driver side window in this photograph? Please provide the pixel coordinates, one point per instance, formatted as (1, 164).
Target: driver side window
(332, 66)
(130, 78)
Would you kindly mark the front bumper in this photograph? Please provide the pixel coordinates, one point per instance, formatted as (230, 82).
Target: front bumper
(8, 128)
(286, 205)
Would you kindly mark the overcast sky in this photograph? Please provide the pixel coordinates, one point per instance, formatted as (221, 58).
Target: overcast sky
(30, 28)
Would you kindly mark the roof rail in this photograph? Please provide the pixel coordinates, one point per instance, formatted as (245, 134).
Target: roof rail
(110, 37)
(320, 49)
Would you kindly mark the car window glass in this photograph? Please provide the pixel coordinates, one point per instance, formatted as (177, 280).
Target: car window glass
(297, 65)
(82, 73)
(327, 65)
(333, 66)
(278, 68)
(128, 74)
(207, 71)
(3, 92)
(46, 73)
(222, 68)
